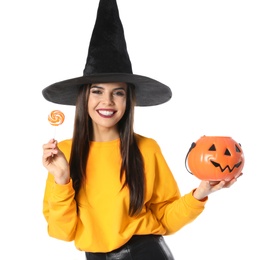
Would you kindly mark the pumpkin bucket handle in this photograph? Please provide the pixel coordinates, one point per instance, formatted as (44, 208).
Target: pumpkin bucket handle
(191, 147)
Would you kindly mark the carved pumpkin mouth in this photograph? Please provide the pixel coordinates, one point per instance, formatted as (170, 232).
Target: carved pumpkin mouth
(226, 167)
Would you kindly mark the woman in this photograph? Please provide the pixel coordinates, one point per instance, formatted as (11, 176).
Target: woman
(127, 198)
(109, 189)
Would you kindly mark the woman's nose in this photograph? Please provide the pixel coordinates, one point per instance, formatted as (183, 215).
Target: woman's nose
(108, 98)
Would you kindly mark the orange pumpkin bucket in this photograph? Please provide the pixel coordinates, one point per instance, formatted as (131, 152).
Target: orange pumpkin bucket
(215, 158)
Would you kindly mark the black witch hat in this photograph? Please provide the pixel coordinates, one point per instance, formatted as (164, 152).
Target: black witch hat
(108, 61)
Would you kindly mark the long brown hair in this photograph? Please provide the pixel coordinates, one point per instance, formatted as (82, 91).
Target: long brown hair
(132, 161)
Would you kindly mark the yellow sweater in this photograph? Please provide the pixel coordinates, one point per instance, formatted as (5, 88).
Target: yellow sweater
(97, 220)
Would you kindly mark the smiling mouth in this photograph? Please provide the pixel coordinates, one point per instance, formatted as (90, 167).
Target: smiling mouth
(106, 113)
(227, 167)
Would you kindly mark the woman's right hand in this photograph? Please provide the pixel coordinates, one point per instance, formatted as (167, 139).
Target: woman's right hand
(55, 162)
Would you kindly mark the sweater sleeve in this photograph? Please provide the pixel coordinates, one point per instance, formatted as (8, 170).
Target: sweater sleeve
(59, 208)
(181, 212)
(170, 208)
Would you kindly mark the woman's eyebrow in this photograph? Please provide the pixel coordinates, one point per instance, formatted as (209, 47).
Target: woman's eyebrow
(96, 86)
(118, 88)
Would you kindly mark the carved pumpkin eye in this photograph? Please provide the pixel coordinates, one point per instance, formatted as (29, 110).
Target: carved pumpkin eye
(227, 152)
(215, 158)
(212, 148)
(238, 149)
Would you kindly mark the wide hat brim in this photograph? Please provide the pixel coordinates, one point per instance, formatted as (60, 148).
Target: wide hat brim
(149, 92)
(107, 62)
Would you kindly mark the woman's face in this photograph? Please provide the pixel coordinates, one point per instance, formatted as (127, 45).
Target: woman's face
(107, 104)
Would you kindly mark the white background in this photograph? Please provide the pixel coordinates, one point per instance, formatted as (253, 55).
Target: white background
(206, 51)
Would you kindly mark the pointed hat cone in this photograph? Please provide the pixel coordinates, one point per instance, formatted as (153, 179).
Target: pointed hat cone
(107, 50)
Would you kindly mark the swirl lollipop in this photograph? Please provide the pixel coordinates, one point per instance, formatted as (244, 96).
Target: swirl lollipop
(56, 118)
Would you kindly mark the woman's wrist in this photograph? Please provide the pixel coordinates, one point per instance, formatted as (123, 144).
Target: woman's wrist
(198, 195)
(62, 179)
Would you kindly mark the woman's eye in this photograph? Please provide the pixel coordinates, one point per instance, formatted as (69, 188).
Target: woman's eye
(96, 91)
(119, 93)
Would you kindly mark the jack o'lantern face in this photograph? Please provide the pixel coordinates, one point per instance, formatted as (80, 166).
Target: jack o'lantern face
(216, 158)
(226, 153)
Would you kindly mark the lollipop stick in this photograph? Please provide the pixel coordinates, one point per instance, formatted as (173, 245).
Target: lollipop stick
(54, 135)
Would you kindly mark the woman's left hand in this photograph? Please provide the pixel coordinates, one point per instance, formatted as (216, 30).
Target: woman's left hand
(207, 187)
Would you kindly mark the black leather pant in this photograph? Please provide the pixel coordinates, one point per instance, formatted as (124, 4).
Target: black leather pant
(143, 247)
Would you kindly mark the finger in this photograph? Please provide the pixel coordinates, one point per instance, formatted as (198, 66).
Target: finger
(213, 183)
(48, 146)
(216, 185)
(48, 153)
(239, 175)
(230, 183)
